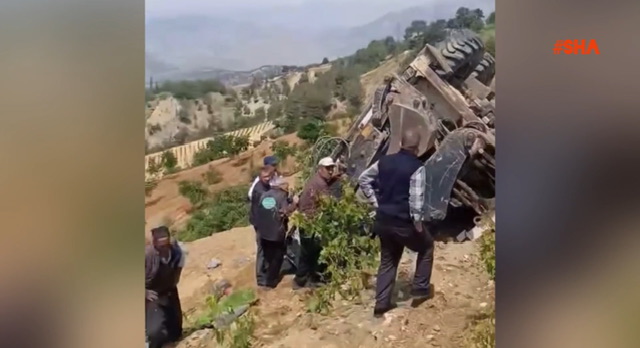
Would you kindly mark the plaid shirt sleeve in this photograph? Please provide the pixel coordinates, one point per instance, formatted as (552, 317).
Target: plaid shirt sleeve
(416, 194)
(366, 180)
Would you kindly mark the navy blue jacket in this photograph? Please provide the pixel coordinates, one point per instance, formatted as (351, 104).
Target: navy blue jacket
(394, 176)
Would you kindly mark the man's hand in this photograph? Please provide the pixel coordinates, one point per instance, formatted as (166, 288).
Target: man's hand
(151, 296)
(419, 226)
(295, 199)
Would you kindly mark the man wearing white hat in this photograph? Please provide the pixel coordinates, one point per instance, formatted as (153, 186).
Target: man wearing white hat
(318, 185)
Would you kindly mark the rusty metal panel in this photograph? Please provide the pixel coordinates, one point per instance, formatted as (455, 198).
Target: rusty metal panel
(477, 89)
(452, 104)
(405, 117)
(420, 63)
(362, 151)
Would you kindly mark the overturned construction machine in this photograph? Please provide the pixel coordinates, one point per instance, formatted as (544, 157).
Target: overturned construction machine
(448, 93)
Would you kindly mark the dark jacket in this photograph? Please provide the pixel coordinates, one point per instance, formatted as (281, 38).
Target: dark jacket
(315, 187)
(160, 277)
(271, 215)
(394, 175)
(257, 192)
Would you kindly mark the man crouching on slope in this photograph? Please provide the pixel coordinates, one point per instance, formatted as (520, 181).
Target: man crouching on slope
(164, 260)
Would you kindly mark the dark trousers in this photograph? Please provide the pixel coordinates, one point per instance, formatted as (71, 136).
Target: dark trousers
(164, 320)
(393, 239)
(308, 265)
(273, 258)
(261, 276)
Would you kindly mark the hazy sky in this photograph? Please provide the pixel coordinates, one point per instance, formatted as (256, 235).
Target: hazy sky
(360, 9)
(163, 8)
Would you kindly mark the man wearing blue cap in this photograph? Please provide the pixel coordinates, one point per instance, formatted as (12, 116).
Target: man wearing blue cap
(258, 187)
(269, 161)
(271, 221)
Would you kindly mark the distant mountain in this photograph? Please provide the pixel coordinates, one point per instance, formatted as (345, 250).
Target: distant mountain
(208, 43)
(229, 77)
(153, 64)
(342, 42)
(198, 46)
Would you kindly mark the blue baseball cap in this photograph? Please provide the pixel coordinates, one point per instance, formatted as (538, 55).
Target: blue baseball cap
(270, 161)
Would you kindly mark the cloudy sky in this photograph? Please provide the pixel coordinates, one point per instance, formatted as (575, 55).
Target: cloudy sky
(314, 12)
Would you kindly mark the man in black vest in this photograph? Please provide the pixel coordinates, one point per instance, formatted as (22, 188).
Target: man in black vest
(164, 260)
(398, 224)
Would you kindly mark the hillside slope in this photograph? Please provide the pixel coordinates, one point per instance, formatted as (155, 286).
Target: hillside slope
(462, 290)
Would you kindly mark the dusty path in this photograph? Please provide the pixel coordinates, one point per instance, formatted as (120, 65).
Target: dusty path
(462, 289)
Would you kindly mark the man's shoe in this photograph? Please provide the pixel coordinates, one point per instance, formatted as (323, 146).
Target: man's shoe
(298, 286)
(421, 297)
(316, 284)
(379, 312)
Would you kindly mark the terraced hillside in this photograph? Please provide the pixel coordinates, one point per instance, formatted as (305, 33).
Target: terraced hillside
(184, 153)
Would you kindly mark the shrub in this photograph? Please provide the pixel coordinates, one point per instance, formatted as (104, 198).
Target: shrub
(154, 167)
(149, 186)
(194, 191)
(348, 249)
(283, 150)
(169, 162)
(488, 249)
(225, 210)
(212, 176)
(220, 147)
(310, 131)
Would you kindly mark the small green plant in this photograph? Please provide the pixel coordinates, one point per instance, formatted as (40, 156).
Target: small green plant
(194, 191)
(212, 176)
(220, 147)
(169, 162)
(164, 95)
(348, 250)
(225, 210)
(154, 168)
(149, 186)
(231, 330)
(283, 150)
(482, 333)
(488, 249)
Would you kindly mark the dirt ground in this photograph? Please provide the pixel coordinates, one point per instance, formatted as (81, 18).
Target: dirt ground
(462, 289)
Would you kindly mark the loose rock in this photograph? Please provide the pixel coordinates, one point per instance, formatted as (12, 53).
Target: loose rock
(214, 263)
